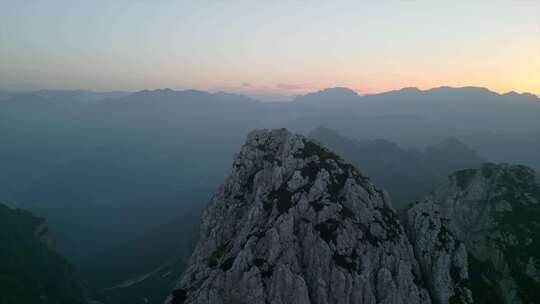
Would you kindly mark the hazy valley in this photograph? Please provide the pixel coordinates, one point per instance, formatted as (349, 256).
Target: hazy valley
(123, 178)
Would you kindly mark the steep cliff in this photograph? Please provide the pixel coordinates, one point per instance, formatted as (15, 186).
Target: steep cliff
(30, 270)
(293, 223)
(441, 255)
(494, 211)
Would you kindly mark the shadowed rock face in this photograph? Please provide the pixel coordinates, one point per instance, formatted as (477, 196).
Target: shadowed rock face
(495, 212)
(441, 255)
(295, 224)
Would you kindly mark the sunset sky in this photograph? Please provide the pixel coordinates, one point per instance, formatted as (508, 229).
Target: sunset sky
(263, 48)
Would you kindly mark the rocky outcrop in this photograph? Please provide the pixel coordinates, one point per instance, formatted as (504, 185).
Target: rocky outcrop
(293, 223)
(41, 232)
(495, 212)
(441, 256)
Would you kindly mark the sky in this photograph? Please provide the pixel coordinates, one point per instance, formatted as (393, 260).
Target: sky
(270, 49)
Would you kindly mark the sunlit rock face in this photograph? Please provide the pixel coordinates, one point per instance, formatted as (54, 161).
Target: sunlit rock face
(293, 223)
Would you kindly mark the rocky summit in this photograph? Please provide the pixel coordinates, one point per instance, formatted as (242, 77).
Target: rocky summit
(293, 223)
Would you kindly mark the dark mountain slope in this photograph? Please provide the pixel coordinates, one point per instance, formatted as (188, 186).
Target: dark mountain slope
(145, 269)
(494, 211)
(30, 270)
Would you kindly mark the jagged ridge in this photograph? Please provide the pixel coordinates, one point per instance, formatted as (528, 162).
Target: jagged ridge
(495, 211)
(295, 224)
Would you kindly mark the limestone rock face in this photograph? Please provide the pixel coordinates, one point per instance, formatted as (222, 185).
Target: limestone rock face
(495, 212)
(441, 256)
(293, 223)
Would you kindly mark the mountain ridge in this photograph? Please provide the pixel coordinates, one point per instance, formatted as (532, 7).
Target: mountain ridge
(343, 91)
(408, 174)
(293, 223)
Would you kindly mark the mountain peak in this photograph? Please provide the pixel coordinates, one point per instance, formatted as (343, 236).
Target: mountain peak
(410, 90)
(338, 91)
(293, 223)
(526, 96)
(478, 91)
(168, 92)
(329, 95)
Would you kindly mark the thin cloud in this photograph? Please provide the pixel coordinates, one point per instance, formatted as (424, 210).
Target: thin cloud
(293, 86)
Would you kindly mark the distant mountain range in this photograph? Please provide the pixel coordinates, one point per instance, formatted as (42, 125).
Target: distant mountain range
(129, 149)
